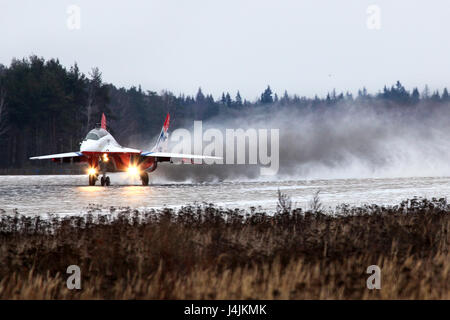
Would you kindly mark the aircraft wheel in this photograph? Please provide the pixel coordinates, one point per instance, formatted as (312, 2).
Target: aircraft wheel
(102, 181)
(92, 180)
(107, 181)
(144, 178)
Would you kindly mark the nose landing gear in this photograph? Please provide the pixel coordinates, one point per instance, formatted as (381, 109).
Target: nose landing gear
(104, 181)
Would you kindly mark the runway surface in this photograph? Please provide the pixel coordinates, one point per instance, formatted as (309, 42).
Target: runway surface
(71, 195)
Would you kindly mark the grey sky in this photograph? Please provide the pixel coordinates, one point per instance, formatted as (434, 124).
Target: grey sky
(305, 47)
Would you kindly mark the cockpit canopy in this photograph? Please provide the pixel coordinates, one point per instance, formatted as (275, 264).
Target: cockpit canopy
(96, 134)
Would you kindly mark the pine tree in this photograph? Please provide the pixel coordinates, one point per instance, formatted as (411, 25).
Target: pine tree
(266, 96)
(200, 98)
(238, 99)
(426, 92)
(415, 96)
(223, 100)
(228, 100)
(285, 99)
(445, 96)
(436, 97)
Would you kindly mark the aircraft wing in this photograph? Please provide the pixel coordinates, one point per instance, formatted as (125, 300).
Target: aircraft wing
(178, 155)
(58, 156)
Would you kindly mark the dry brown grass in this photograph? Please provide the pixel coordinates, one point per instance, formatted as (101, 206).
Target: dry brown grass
(204, 252)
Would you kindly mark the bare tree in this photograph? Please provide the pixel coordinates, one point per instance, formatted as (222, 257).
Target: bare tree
(315, 204)
(284, 204)
(94, 85)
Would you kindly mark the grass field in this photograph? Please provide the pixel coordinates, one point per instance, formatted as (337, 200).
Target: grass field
(204, 252)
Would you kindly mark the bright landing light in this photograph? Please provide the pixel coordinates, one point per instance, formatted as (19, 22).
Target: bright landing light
(133, 170)
(92, 171)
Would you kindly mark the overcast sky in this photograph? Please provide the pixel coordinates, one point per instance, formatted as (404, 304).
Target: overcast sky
(305, 47)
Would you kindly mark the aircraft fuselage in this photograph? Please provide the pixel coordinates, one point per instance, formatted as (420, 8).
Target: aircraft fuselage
(102, 152)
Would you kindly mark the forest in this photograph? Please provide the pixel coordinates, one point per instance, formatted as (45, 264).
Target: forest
(47, 108)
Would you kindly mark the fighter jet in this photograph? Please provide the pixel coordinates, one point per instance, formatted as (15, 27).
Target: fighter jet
(103, 154)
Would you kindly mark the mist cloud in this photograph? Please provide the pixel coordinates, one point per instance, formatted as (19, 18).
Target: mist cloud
(344, 141)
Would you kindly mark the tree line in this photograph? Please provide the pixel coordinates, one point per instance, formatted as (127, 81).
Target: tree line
(47, 108)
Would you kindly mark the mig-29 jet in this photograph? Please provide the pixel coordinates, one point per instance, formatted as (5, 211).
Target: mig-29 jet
(103, 154)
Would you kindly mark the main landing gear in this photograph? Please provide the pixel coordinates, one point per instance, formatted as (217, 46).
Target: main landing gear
(104, 181)
(92, 179)
(144, 178)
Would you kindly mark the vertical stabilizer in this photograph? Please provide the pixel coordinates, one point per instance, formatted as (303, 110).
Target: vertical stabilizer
(163, 139)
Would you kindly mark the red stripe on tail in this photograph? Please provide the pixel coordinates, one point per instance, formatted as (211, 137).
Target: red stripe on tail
(166, 123)
(103, 121)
